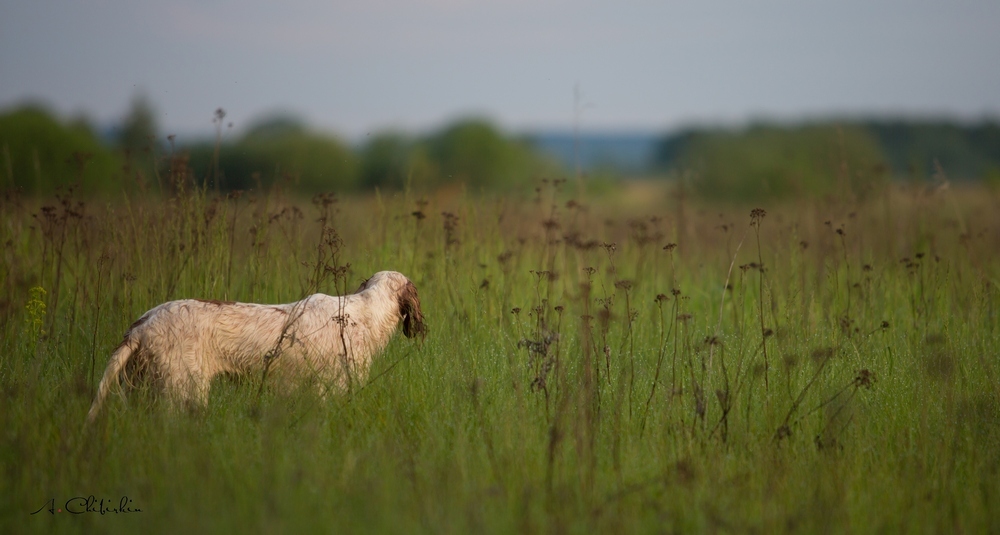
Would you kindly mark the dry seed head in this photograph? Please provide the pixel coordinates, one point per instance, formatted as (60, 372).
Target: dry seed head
(821, 354)
(864, 378)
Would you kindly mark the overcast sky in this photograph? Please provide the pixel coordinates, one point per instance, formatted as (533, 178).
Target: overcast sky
(358, 67)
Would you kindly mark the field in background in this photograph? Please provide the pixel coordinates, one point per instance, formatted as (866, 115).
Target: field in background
(631, 362)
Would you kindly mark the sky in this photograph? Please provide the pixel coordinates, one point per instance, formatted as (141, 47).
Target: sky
(354, 68)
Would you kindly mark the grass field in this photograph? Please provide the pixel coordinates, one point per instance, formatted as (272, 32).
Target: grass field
(626, 363)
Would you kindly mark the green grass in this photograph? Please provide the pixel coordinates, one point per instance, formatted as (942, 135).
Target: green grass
(577, 376)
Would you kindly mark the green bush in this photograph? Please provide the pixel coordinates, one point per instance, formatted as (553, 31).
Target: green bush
(392, 160)
(773, 162)
(475, 152)
(40, 154)
(278, 149)
(470, 151)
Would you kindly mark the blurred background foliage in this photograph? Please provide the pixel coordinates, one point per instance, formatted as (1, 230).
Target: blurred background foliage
(41, 153)
(774, 162)
(278, 148)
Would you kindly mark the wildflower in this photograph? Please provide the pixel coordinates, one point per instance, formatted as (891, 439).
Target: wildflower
(36, 312)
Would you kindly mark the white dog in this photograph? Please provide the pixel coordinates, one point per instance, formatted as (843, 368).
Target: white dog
(186, 343)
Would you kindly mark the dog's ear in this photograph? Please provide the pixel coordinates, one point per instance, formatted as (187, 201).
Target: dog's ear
(409, 308)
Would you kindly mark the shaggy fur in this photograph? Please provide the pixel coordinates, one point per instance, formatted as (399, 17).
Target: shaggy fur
(186, 343)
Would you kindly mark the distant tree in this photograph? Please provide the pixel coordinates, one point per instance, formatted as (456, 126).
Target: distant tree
(137, 140)
(770, 161)
(384, 160)
(474, 151)
(915, 148)
(138, 131)
(275, 127)
(39, 154)
(903, 148)
(280, 149)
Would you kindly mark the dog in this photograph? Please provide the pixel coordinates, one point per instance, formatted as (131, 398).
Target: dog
(331, 339)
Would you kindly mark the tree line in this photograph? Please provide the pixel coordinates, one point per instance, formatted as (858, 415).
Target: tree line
(772, 160)
(41, 153)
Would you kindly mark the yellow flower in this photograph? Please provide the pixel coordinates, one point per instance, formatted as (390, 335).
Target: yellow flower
(36, 311)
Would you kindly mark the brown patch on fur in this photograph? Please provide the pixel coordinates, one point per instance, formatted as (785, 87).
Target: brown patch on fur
(363, 284)
(132, 327)
(409, 307)
(215, 302)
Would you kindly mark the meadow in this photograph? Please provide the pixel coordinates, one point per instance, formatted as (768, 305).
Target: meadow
(632, 360)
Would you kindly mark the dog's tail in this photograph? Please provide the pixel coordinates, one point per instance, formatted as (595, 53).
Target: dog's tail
(119, 359)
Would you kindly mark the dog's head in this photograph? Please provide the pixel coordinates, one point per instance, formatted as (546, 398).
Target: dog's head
(395, 285)
(409, 308)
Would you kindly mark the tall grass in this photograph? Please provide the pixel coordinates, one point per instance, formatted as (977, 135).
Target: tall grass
(590, 365)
